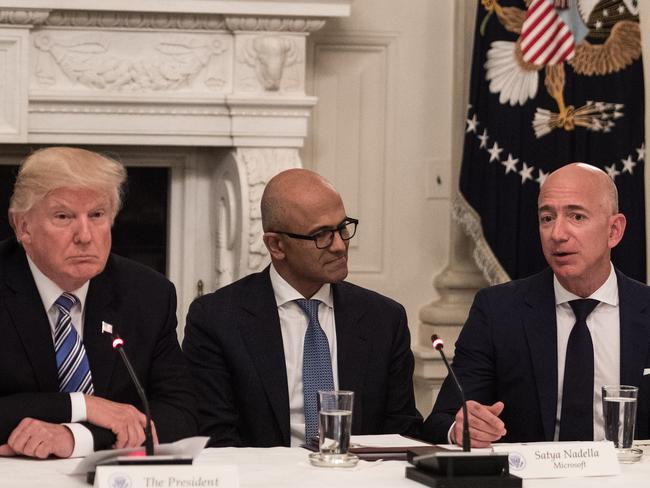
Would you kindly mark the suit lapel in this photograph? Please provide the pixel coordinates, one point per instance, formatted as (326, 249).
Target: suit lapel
(634, 331)
(539, 321)
(99, 307)
(30, 319)
(260, 330)
(351, 345)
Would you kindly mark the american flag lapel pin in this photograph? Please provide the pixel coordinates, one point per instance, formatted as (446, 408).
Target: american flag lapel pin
(106, 328)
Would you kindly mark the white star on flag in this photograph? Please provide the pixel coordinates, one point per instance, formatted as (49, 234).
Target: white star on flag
(640, 152)
(628, 165)
(484, 139)
(471, 124)
(612, 171)
(494, 152)
(542, 177)
(510, 164)
(525, 173)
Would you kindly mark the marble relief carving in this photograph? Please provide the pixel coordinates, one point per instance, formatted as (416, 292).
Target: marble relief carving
(239, 184)
(23, 17)
(135, 20)
(172, 62)
(271, 58)
(261, 165)
(226, 193)
(273, 24)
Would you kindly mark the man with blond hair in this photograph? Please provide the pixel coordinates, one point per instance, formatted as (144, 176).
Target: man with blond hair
(63, 390)
(534, 353)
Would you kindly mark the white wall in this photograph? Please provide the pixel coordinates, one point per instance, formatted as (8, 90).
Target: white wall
(382, 133)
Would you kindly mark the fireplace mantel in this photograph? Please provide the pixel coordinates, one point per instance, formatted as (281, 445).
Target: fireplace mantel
(159, 73)
(152, 72)
(307, 8)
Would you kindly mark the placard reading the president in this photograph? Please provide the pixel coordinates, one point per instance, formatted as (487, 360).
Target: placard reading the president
(162, 476)
(561, 459)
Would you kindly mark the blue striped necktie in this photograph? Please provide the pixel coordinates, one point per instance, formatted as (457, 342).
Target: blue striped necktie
(71, 360)
(316, 366)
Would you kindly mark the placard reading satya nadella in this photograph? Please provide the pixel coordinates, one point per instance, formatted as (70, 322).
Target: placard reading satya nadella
(561, 459)
(161, 476)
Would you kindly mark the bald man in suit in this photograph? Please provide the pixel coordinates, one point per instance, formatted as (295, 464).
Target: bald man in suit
(246, 342)
(531, 368)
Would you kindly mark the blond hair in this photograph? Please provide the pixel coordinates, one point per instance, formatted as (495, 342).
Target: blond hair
(65, 167)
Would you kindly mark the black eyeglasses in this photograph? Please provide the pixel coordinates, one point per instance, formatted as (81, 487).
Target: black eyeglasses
(324, 238)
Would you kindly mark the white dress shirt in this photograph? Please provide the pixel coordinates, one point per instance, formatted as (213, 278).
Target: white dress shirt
(49, 293)
(293, 324)
(604, 326)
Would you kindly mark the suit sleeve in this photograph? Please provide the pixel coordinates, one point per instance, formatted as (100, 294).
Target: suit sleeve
(218, 416)
(401, 414)
(474, 364)
(168, 385)
(51, 407)
(166, 382)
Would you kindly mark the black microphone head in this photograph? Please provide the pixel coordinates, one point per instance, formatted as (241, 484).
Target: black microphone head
(437, 342)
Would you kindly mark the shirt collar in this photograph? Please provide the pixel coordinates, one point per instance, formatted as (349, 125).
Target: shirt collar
(607, 293)
(50, 291)
(285, 293)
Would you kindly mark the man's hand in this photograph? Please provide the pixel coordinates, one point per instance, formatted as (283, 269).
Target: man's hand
(5, 451)
(485, 426)
(39, 439)
(125, 421)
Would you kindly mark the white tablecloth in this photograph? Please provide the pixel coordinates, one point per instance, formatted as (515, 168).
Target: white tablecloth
(281, 467)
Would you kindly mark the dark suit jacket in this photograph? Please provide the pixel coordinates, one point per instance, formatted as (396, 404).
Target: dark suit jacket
(141, 305)
(233, 343)
(507, 351)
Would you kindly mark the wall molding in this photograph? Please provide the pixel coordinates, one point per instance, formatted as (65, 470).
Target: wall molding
(361, 142)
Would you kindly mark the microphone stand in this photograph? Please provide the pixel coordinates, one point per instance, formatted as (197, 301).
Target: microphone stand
(118, 344)
(438, 345)
(149, 458)
(453, 469)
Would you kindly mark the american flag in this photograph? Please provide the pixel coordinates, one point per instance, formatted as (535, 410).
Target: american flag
(545, 38)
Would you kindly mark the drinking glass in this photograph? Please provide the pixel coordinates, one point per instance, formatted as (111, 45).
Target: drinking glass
(334, 428)
(619, 411)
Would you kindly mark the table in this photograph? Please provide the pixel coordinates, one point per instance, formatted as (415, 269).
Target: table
(281, 467)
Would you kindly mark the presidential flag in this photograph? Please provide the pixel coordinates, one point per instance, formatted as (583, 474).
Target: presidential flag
(553, 82)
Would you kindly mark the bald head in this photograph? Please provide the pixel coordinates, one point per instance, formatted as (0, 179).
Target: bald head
(297, 206)
(579, 225)
(591, 178)
(291, 192)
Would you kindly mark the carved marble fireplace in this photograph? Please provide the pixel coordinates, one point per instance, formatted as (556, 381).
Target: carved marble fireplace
(212, 89)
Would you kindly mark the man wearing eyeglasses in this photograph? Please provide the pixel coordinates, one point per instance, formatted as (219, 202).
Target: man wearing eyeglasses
(261, 348)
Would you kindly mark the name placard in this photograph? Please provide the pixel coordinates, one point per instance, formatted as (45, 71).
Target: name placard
(161, 476)
(561, 459)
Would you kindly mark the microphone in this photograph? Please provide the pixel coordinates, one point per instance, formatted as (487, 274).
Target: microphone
(130, 457)
(438, 344)
(118, 344)
(454, 469)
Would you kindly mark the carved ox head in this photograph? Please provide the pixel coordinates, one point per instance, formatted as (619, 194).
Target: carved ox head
(269, 55)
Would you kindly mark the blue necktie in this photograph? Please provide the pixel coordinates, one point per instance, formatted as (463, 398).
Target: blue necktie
(316, 366)
(577, 416)
(71, 360)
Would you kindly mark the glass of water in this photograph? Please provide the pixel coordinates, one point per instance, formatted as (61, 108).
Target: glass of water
(619, 410)
(334, 427)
